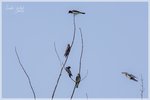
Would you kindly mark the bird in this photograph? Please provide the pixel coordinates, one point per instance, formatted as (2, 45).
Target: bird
(130, 76)
(68, 71)
(78, 79)
(75, 12)
(67, 50)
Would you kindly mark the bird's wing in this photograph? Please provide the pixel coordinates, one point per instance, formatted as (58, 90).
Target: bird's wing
(77, 79)
(68, 49)
(66, 69)
(132, 75)
(69, 71)
(134, 79)
(75, 11)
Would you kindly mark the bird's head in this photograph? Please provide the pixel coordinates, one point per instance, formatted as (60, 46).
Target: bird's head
(78, 75)
(69, 11)
(124, 73)
(68, 45)
(68, 67)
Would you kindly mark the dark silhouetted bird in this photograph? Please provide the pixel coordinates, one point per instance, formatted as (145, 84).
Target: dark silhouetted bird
(130, 76)
(78, 79)
(75, 12)
(67, 50)
(68, 71)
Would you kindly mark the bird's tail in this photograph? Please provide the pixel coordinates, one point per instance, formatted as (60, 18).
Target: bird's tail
(82, 12)
(135, 79)
(77, 85)
(70, 75)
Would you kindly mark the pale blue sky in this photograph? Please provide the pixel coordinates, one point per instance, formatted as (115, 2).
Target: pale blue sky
(115, 40)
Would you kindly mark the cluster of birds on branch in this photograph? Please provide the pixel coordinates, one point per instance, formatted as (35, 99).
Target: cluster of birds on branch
(68, 69)
(67, 51)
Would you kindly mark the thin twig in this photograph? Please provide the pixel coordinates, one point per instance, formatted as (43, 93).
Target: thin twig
(72, 79)
(81, 51)
(84, 76)
(59, 78)
(26, 74)
(142, 88)
(73, 91)
(87, 96)
(57, 55)
(79, 62)
(74, 33)
(65, 59)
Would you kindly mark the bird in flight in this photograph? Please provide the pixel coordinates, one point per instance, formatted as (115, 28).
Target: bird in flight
(78, 79)
(67, 50)
(75, 12)
(130, 76)
(68, 71)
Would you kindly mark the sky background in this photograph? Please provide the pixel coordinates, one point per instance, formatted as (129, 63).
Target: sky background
(115, 40)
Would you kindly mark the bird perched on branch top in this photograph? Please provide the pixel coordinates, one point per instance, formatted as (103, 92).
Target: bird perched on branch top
(130, 76)
(75, 12)
(68, 71)
(78, 79)
(67, 50)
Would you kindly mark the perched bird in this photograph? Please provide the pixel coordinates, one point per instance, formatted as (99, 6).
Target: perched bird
(130, 76)
(68, 71)
(75, 12)
(67, 50)
(78, 79)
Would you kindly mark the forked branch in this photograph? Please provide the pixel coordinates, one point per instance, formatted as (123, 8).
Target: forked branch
(57, 54)
(65, 59)
(79, 66)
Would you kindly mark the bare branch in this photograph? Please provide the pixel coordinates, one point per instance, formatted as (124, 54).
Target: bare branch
(79, 62)
(73, 79)
(59, 77)
(74, 34)
(57, 55)
(142, 87)
(81, 51)
(87, 96)
(26, 74)
(65, 59)
(73, 91)
(85, 76)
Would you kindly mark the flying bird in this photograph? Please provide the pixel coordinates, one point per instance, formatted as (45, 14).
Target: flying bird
(78, 79)
(75, 12)
(130, 76)
(67, 50)
(68, 71)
